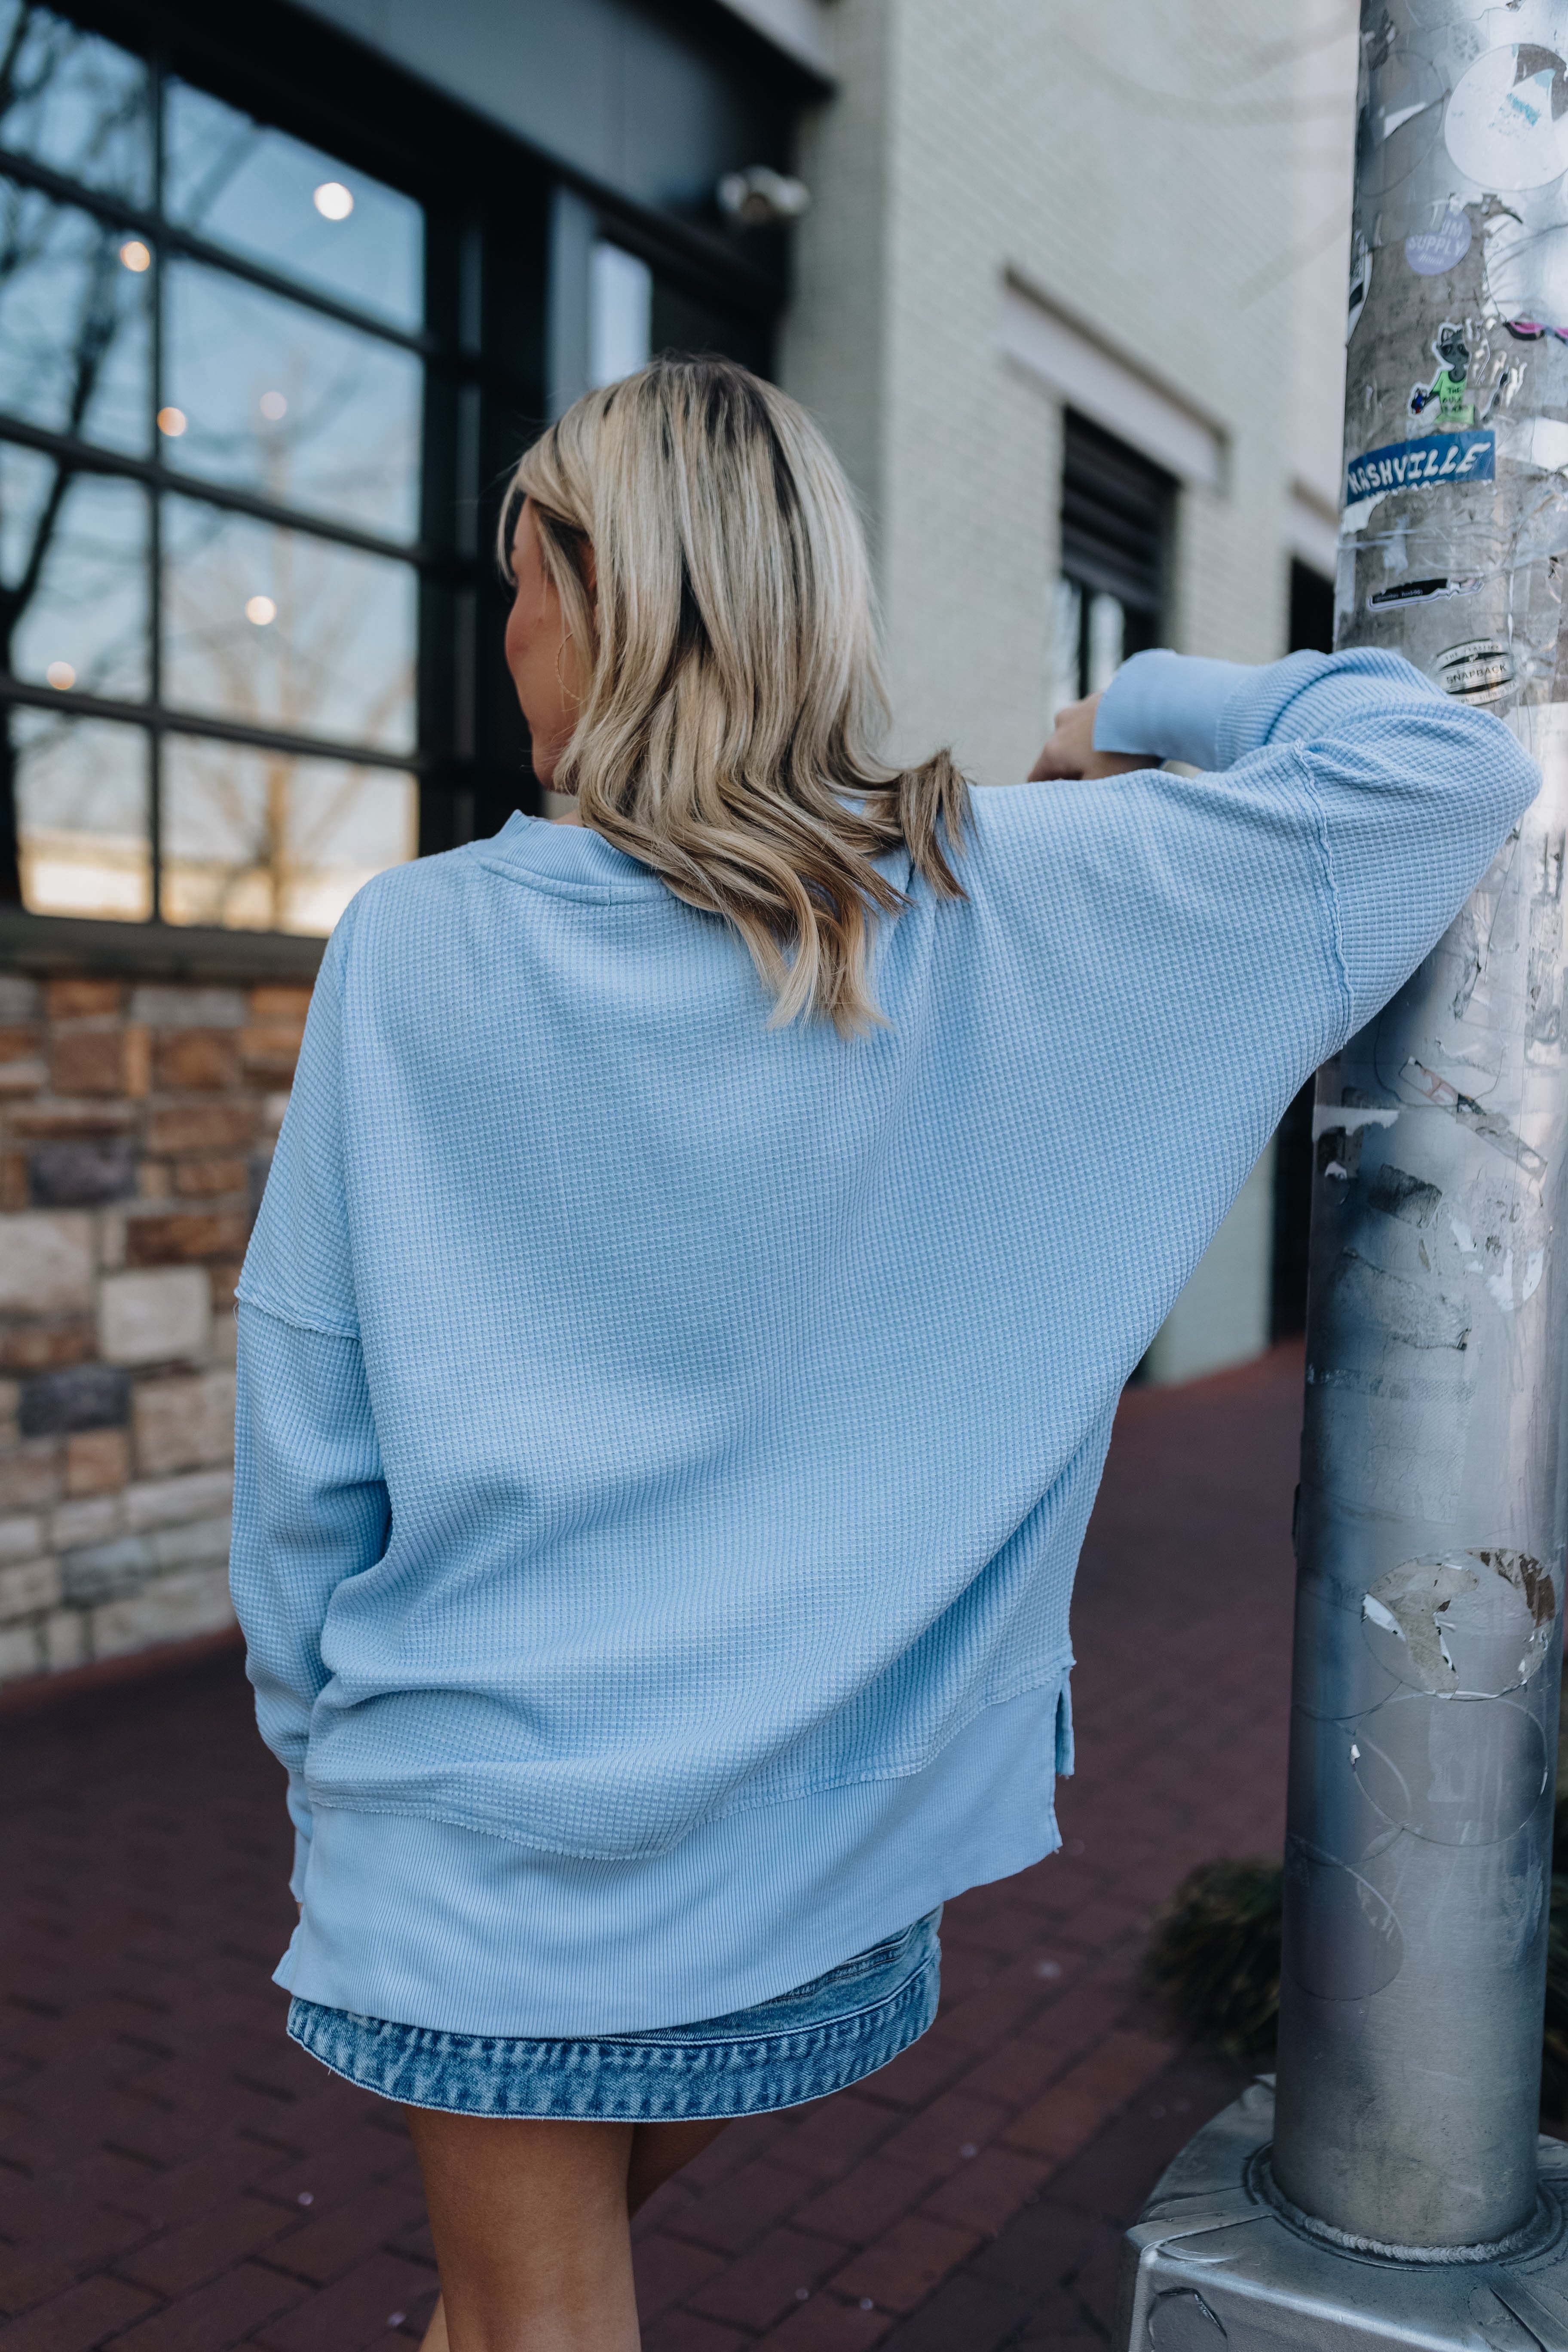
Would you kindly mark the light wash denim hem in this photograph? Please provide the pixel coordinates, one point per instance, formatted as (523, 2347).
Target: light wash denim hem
(820, 2037)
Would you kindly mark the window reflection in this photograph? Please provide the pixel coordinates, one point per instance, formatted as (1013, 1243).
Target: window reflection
(620, 314)
(266, 626)
(286, 630)
(73, 577)
(74, 102)
(304, 412)
(633, 312)
(288, 205)
(74, 337)
(257, 842)
(82, 815)
(1106, 636)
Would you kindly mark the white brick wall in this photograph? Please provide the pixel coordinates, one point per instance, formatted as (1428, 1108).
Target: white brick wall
(1167, 177)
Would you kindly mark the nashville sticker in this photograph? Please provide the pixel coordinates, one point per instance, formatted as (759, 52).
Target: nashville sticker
(1436, 457)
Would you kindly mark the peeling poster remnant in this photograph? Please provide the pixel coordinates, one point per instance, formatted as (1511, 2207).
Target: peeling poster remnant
(1360, 286)
(1472, 1624)
(1507, 123)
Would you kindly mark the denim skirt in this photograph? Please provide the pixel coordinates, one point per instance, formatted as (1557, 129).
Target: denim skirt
(801, 2045)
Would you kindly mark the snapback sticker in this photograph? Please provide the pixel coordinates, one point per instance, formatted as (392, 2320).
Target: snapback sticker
(1477, 671)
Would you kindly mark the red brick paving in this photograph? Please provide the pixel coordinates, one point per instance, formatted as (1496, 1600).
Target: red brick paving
(176, 2177)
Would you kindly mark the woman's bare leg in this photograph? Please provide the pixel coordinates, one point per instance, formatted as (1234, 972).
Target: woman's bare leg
(529, 2223)
(656, 2153)
(659, 2151)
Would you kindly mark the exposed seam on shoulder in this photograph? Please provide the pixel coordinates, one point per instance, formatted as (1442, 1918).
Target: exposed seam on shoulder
(245, 1293)
(1326, 856)
(590, 894)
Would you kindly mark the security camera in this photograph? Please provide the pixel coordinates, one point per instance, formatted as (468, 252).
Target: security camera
(761, 199)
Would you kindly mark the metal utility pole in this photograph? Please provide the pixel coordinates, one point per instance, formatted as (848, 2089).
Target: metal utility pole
(1392, 2191)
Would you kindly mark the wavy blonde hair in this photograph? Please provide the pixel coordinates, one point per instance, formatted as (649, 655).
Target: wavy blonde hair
(726, 735)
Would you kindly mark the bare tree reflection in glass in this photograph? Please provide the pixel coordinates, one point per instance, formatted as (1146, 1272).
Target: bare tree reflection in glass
(271, 625)
(82, 797)
(294, 633)
(276, 628)
(301, 408)
(79, 104)
(258, 841)
(68, 297)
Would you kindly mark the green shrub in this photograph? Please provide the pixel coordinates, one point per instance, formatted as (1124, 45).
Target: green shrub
(1214, 1956)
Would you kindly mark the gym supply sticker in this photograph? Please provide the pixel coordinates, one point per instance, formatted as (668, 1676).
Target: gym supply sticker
(1436, 457)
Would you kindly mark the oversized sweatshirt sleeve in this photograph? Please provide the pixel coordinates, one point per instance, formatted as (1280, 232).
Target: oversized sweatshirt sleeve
(1401, 780)
(310, 1502)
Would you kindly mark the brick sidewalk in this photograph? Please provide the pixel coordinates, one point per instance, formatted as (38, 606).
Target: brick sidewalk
(174, 2176)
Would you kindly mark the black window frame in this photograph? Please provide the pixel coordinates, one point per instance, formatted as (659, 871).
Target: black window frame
(1118, 519)
(487, 199)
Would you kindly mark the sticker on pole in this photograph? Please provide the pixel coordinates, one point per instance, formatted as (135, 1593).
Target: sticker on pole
(1507, 123)
(1412, 465)
(1433, 252)
(1477, 671)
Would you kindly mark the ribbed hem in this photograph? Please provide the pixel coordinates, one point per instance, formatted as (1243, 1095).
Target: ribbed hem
(459, 1932)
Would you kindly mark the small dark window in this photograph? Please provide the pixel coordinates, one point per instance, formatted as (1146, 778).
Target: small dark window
(1311, 611)
(1116, 529)
(1312, 631)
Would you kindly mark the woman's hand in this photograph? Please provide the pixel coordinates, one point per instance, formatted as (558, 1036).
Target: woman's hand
(1071, 753)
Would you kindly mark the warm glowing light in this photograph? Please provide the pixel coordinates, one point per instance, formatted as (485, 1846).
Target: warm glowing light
(172, 420)
(272, 404)
(134, 255)
(62, 676)
(332, 200)
(260, 609)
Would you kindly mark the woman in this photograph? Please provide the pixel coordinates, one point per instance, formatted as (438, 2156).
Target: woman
(680, 1339)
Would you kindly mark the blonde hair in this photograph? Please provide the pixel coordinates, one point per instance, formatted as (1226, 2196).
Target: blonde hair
(727, 727)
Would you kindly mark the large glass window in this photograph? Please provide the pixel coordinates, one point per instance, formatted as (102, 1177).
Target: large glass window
(259, 398)
(213, 403)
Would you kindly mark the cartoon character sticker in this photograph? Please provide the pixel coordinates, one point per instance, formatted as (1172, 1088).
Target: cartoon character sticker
(1448, 390)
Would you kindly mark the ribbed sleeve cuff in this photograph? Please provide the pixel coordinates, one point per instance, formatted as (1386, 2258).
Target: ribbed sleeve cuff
(300, 1814)
(1166, 706)
(1290, 700)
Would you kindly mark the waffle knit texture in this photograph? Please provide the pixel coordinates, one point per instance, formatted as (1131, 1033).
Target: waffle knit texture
(664, 1436)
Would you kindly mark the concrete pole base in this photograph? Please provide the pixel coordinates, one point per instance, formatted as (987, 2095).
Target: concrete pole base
(1216, 2260)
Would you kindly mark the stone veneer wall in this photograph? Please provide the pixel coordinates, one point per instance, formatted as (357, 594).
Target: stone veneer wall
(136, 1127)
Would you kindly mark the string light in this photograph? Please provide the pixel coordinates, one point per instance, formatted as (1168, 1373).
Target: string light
(334, 201)
(61, 675)
(262, 609)
(172, 422)
(273, 405)
(133, 255)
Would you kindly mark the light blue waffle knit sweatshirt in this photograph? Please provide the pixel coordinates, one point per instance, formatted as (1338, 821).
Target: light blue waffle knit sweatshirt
(664, 1442)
